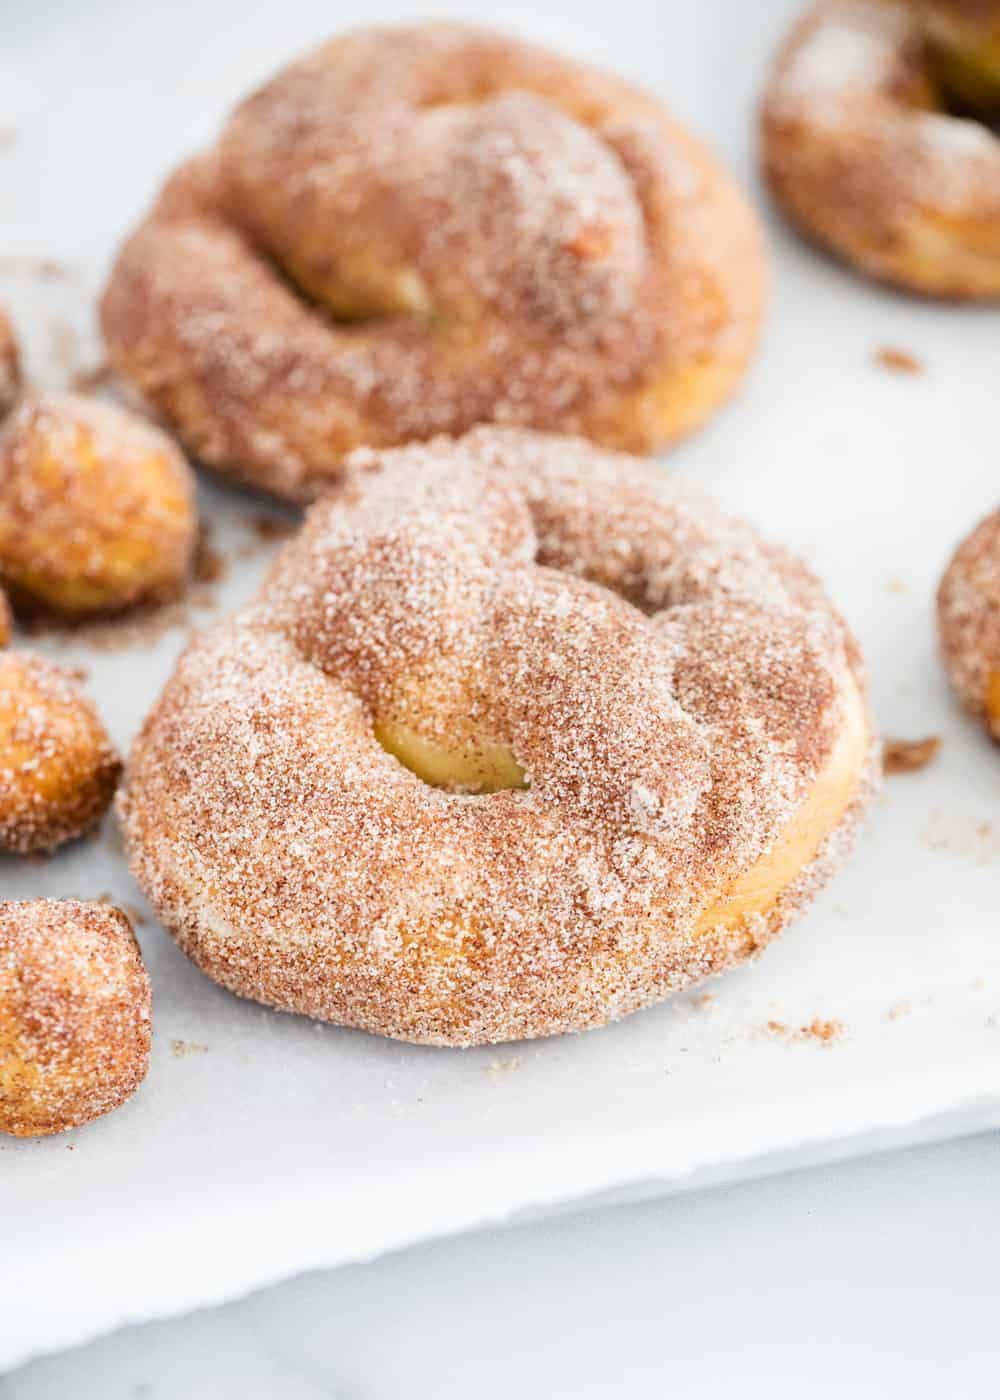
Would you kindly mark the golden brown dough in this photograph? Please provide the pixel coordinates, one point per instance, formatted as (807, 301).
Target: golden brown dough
(97, 508)
(860, 150)
(415, 230)
(520, 736)
(74, 1014)
(58, 769)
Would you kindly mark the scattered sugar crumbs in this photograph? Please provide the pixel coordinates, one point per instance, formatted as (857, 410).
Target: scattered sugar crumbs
(896, 585)
(92, 378)
(909, 755)
(209, 565)
(900, 361)
(180, 1049)
(503, 1065)
(973, 838)
(271, 527)
(45, 269)
(899, 1009)
(819, 1031)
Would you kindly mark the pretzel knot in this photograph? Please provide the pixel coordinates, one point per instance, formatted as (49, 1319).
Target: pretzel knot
(518, 737)
(861, 147)
(411, 231)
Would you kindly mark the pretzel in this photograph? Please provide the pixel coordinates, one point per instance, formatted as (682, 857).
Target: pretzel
(411, 231)
(74, 1014)
(862, 153)
(519, 736)
(58, 768)
(968, 606)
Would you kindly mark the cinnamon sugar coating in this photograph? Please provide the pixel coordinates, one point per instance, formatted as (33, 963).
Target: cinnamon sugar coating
(413, 230)
(859, 148)
(6, 621)
(10, 366)
(58, 768)
(968, 606)
(97, 507)
(74, 1014)
(662, 693)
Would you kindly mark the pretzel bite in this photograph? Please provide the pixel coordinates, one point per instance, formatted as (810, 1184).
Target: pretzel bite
(58, 769)
(969, 622)
(97, 509)
(863, 152)
(74, 1014)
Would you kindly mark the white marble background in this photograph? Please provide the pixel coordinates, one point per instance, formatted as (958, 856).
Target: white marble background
(871, 1280)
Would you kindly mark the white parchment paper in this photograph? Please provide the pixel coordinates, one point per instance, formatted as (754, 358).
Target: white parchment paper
(262, 1144)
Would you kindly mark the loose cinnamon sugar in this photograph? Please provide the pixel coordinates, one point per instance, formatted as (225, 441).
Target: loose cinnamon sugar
(902, 361)
(671, 684)
(499, 1068)
(46, 269)
(909, 755)
(819, 1031)
(91, 379)
(270, 527)
(960, 834)
(208, 565)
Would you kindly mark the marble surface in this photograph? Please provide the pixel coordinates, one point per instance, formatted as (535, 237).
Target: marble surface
(875, 1279)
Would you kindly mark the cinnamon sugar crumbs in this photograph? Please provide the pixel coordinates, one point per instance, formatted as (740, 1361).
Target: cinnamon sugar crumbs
(181, 1049)
(899, 1009)
(909, 755)
(46, 269)
(823, 1031)
(819, 1031)
(902, 361)
(270, 527)
(92, 378)
(962, 835)
(208, 565)
(505, 1065)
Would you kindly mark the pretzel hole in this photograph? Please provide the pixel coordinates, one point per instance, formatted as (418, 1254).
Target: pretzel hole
(475, 767)
(969, 78)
